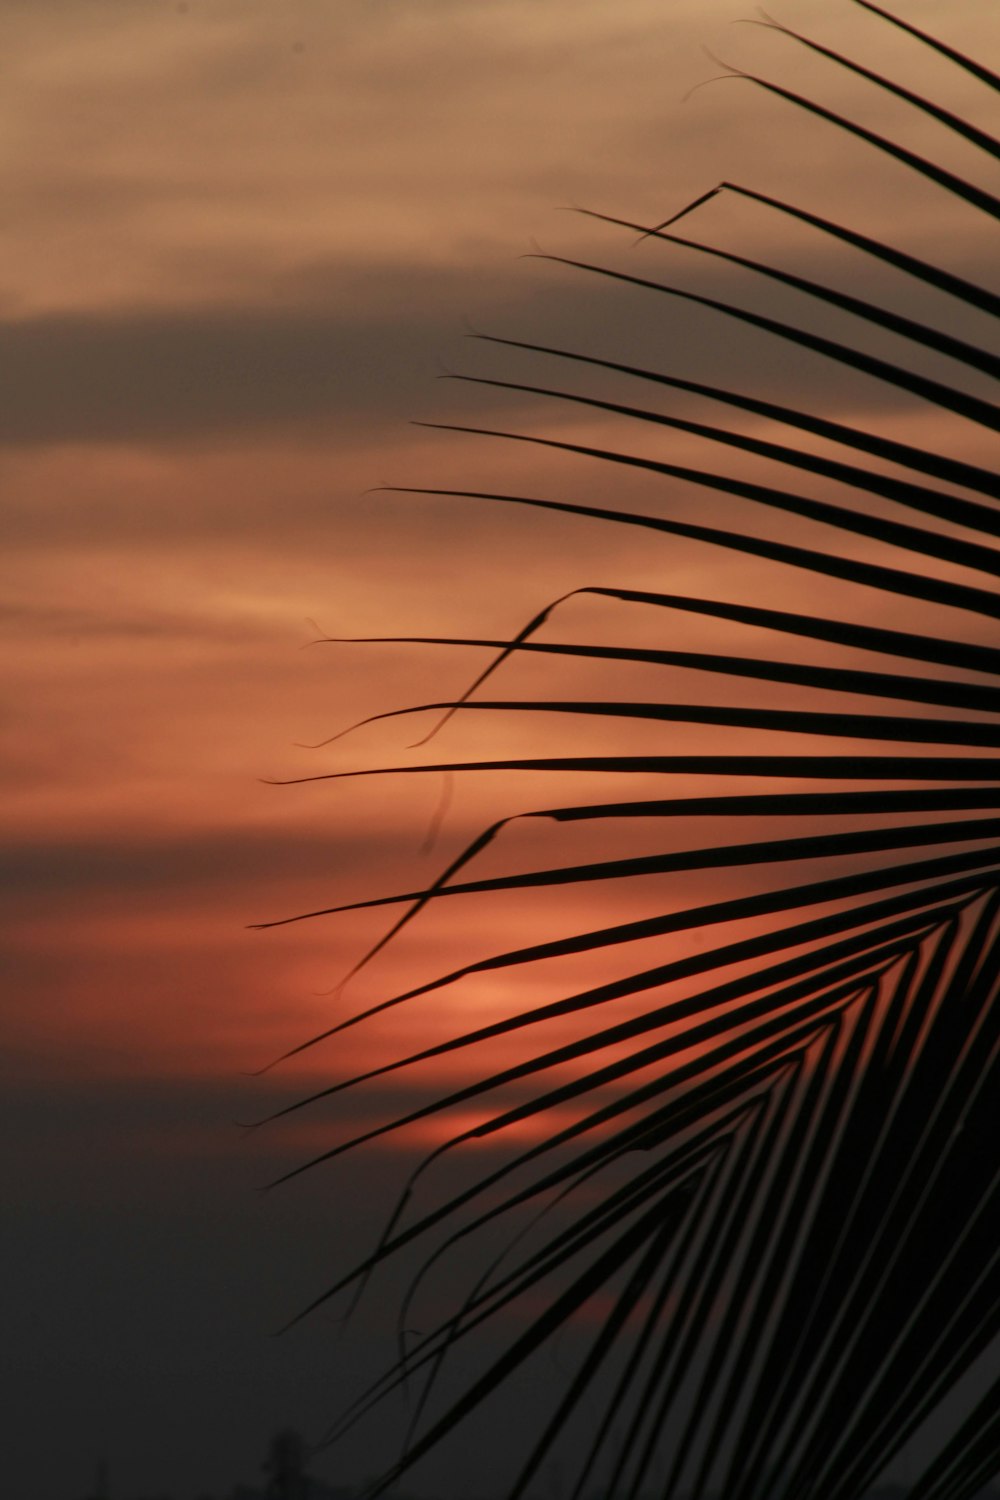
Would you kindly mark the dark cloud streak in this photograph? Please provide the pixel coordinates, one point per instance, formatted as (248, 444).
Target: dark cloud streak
(366, 353)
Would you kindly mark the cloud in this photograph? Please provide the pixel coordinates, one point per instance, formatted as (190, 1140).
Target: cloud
(154, 378)
(196, 860)
(304, 362)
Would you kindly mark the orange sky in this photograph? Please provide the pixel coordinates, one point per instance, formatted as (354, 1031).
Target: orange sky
(243, 240)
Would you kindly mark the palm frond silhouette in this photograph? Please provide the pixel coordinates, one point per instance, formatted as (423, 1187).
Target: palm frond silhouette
(771, 1129)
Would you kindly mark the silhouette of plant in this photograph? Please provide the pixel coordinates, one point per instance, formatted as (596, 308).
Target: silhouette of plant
(773, 1146)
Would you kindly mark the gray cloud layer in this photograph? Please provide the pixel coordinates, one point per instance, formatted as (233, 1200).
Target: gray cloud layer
(150, 376)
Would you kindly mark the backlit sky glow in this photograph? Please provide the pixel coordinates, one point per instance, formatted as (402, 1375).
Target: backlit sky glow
(243, 242)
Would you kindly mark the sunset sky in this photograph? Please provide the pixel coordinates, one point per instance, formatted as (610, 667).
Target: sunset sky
(243, 239)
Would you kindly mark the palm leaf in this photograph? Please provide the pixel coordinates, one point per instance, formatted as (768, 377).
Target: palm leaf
(764, 1165)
